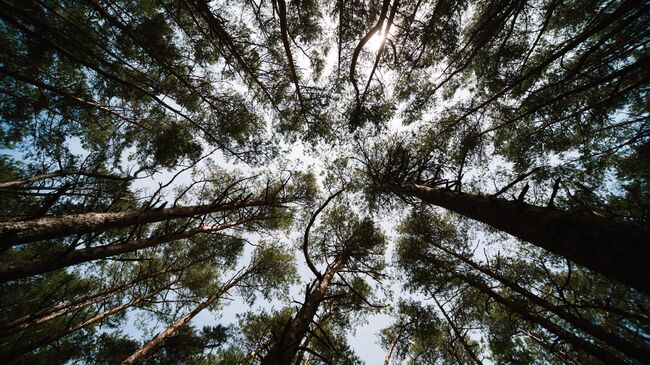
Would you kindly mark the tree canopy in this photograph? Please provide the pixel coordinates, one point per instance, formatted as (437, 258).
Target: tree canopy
(252, 181)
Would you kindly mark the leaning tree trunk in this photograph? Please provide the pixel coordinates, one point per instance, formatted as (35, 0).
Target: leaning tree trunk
(56, 311)
(15, 352)
(618, 250)
(611, 339)
(146, 350)
(60, 173)
(578, 343)
(19, 232)
(287, 345)
(393, 345)
(457, 333)
(46, 263)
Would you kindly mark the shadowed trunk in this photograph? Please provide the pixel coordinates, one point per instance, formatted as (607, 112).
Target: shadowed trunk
(59, 173)
(43, 264)
(15, 352)
(288, 344)
(621, 344)
(61, 309)
(618, 250)
(19, 232)
(457, 333)
(570, 338)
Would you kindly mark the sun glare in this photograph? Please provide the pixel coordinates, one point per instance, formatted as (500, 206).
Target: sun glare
(374, 43)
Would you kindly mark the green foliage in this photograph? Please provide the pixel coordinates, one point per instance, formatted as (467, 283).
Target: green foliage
(274, 269)
(121, 99)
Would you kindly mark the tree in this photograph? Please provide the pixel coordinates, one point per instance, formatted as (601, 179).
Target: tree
(347, 245)
(152, 149)
(620, 247)
(439, 236)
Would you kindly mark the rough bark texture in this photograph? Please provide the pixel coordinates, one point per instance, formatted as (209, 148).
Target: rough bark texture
(288, 344)
(618, 250)
(40, 265)
(19, 232)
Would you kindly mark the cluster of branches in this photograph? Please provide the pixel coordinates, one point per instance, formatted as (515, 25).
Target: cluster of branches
(559, 310)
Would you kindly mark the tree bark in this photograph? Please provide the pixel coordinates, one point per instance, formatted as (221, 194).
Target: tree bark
(288, 344)
(43, 264)
(146, 350)
(19, 232)
(621, 344)
(618, 250)
(393, 345)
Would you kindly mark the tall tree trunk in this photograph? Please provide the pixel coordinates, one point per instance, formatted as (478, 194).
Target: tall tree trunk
(146, 350)
(19, 232)
(618, 250)
(457, 332)
(288, 344)
(576, 342)
(15, 352)
(393, 345)
(48, 314)
(59, 173)
(621, 344)
(47, 263)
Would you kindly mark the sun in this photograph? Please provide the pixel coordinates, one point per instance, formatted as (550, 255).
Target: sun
(375, 42)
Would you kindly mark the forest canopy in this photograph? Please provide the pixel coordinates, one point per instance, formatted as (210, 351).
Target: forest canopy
(253, 181)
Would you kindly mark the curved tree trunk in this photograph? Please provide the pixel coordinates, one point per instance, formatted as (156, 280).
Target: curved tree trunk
(43, 264)
(618, 250)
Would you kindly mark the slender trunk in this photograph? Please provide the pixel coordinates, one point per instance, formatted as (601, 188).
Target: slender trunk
(20, 350)
(588, 327)
(576, 342)
(551, 348)
(19, 232)
(615, 249)
(393, 345)
(47, 263)
(59, 310)
(288, 344)
(146, 350)
(457, 332)
(59, 173)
